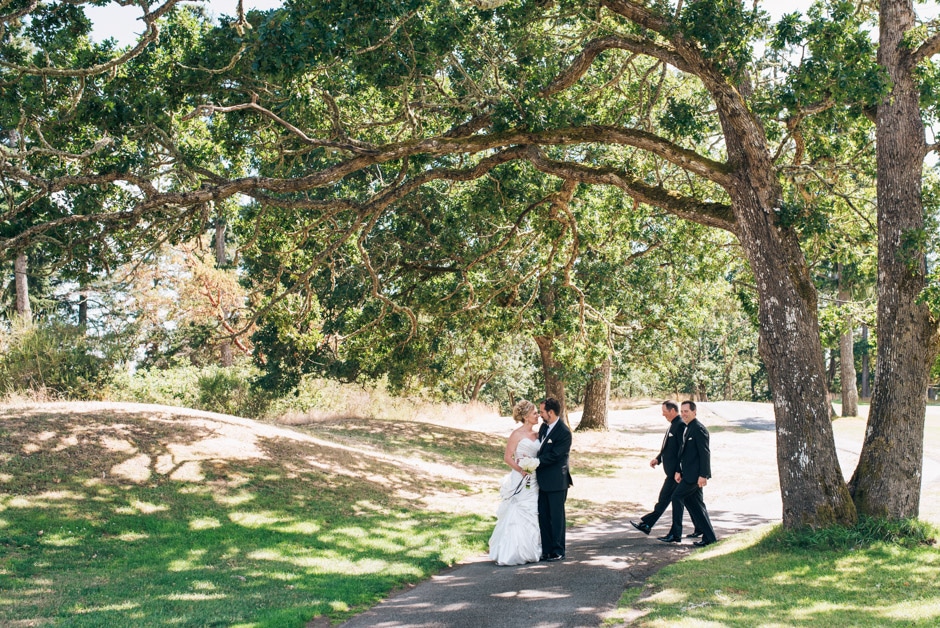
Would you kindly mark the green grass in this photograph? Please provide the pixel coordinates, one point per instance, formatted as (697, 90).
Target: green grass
(424, 440)
(876, 574)
(269, 540)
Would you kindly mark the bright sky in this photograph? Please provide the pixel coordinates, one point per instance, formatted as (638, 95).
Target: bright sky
(124, 25)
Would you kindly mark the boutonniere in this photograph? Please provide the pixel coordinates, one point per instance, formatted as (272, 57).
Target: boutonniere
(549, 441)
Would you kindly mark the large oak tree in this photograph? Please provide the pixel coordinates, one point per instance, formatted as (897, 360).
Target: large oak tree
(333, 114)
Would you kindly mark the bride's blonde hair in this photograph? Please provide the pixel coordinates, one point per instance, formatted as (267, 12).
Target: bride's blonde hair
(521, 410)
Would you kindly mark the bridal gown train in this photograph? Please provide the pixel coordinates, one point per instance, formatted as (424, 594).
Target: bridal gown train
(516, 539)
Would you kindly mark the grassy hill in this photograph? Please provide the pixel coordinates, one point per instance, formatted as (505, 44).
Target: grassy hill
(127, 514)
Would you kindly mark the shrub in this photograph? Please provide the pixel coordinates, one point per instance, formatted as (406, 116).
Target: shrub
(53, 358)
(230, 391)
(212, 388)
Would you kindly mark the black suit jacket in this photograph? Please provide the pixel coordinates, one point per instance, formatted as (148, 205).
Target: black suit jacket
(552, 473)
(695, 461)
(672, 443)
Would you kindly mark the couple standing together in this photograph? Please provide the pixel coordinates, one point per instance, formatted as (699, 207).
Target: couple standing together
(686, 459)
(530, 522)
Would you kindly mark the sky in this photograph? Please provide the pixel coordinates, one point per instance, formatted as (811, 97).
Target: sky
(123, 25)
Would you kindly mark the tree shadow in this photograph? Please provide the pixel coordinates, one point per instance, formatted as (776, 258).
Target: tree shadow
(96, 502)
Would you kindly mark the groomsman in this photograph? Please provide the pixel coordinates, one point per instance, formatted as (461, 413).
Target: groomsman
(694, 472)
(554, 479)
(668, 457)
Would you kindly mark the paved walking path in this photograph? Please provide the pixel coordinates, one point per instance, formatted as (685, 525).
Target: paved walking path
(602, 561)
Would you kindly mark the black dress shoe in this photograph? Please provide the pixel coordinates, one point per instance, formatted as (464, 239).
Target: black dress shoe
(555, 557)
(703, 543)
(642, 527)
(694, 535)
(543, 558)
(670, 538)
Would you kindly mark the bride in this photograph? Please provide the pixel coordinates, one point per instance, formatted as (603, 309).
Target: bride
(516, 539)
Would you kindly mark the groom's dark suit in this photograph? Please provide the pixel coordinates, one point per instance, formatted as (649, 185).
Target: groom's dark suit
(554, 479)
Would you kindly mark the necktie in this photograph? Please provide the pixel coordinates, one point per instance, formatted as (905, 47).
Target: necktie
(665, 438)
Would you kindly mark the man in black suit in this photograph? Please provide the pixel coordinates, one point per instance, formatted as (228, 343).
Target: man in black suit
(694, 471)
(553, 478)
(669, 458)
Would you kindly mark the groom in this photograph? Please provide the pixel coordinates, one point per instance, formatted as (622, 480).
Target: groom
(553, 478)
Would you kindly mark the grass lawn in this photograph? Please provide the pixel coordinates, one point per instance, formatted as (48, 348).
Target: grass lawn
(144, 518)
(767, 578)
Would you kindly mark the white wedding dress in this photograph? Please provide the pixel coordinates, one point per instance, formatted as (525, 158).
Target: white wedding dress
(516, 539)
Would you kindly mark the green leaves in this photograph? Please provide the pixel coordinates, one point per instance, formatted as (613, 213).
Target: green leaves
(681, 119)
(724, 30)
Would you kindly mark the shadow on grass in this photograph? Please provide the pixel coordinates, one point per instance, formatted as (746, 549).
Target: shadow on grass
(423, 439)
(150, 519)
(747, 581)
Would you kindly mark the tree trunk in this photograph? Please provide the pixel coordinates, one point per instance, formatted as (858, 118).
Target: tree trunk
(887, 481)
(478, 385)
(847, 358)
(23, 309)
(596, 396)
(220, 259)
(813, 490)
(83, 308)
(227, 355)
(847, 374)
(831, 371)
(811, 482)
(554, 385)
(866, 366)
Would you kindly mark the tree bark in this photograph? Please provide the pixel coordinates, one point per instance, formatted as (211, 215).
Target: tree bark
(554, 385)
(847, 357)
(220, 259)
(227, 355)
(887, 481)
(831, 371)
(83, 307)
(847, 374)
(596, 397)
(23, 309)
(866, 366)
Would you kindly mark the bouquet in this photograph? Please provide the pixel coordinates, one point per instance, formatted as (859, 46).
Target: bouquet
(529, 465)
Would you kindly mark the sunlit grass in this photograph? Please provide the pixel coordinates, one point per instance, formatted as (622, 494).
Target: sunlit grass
(253, 542)
(826, 578)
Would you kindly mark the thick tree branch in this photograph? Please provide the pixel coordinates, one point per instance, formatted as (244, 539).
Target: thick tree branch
(927, 49)
(689, 160)
(640, 15)
(215, 188)
(711, 214)
(583, 61)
